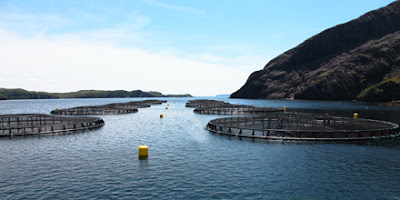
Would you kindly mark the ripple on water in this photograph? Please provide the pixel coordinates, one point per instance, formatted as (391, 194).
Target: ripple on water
(186, 161)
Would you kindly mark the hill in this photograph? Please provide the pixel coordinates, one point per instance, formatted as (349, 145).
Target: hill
(355, 60)
(24, 94)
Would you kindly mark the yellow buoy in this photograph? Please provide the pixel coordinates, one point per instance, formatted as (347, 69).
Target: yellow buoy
(161, 115)
(355, 115)
(166, 108)
(143, 151)
(284, 108)
(251, 104)
(56, 108)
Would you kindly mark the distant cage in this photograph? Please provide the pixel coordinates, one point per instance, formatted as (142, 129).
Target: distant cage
(222, 108)
(108, 109)
(40, 124)
(94, 110)
(235, 110)
(205, 103)
(294, 126)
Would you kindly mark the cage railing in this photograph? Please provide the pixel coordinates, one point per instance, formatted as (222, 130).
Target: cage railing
(316, 128)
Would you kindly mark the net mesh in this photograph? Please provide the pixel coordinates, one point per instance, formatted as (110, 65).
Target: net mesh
(37, 124)
(108, 109)
(295, 126)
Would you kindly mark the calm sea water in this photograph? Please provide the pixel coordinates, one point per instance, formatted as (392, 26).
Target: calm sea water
(187, 162)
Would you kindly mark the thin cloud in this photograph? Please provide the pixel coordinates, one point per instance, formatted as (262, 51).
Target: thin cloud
(134, 22)
(126, 32)
(255, 62)
(31, 23)
(175, 7)
(44, 18)
(81, 65)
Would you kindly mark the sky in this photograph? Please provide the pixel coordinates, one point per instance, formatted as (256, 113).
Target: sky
(200, 47)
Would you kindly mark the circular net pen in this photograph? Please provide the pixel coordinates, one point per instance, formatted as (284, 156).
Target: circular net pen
(204, 106)
(94, 110)
(41, 124)
(235, 110)
(135, 104)
(128, 105)
(152, 102)
(204, 103)
(293, 126)
(108, 109)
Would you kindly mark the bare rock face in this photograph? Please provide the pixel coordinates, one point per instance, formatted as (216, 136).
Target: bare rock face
(339, 63)
(348, 75)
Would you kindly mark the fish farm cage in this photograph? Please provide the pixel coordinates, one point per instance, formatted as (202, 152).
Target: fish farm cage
(108, 109)
(41, 124)
(235, 110)
(151, 102)
(306, 127)
(223, 108)
(204, 103)
(94, 110)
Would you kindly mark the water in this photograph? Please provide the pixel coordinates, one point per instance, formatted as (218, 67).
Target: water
(188, 162)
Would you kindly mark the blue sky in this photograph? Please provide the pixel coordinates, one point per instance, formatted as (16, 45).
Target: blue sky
(199, 47)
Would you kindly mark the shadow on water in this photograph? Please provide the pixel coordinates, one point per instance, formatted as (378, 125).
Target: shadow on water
(144, 162)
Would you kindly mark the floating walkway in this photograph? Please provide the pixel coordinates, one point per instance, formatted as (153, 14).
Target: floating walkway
(108, 109)
(41, 124)
(212, 107)
(303, 127)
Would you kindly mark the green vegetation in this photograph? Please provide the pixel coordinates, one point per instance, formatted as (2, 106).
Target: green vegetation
(377, 91)
(2, 97)
(325, 73)
(23, 94)
(352, 72)
(108, 94)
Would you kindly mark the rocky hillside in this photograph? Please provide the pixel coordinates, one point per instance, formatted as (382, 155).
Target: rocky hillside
(356, 60)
